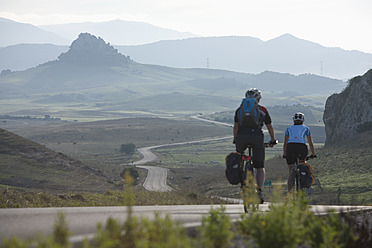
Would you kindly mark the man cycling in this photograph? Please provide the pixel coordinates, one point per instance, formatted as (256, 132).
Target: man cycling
(244, 136)
(295, 143)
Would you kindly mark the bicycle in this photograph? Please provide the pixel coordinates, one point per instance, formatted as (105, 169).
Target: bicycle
(249, 176)
(295, 173)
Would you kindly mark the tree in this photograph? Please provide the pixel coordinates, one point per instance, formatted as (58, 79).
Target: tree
(128, 148)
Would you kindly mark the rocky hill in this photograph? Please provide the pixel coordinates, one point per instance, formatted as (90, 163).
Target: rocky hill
(349, 113)
(88, 50)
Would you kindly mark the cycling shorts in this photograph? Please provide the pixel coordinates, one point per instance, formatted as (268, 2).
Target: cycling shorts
(256, 139)
(294, 149)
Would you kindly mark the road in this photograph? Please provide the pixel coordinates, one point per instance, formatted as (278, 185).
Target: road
(197, 117)
(82, 221)
(157, 176)
(156, 179)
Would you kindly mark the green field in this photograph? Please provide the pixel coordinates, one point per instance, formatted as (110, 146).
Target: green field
(197, 167)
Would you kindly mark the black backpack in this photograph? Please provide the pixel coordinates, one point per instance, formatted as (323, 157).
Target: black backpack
(233, 169)
(306, 175)
(249, 113)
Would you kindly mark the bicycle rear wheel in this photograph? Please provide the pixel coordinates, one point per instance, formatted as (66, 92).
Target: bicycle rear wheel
(297, 183)
(249, 194)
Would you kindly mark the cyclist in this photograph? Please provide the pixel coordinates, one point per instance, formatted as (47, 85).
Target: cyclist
(295, 143)
(244, 136)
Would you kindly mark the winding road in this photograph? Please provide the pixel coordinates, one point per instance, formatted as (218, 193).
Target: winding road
(156, 179)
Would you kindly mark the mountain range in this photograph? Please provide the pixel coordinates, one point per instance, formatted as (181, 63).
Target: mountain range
(286, 54)
(93, 78)
(13, 33)
(117, 31)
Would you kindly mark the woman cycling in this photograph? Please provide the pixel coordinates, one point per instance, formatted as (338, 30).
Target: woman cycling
(295, 143)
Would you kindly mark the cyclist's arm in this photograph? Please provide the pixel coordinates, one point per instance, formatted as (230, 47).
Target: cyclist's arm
(286, 138)
(236, 128)
(270, 128)
(311, 144)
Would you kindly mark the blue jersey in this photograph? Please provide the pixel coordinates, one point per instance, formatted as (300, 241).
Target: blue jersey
(297, 133)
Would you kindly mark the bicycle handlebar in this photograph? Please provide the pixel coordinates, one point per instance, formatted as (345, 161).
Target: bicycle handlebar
(271, 143)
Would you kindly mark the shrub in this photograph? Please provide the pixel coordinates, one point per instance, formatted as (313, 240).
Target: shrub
(215, 231)
(128, 148)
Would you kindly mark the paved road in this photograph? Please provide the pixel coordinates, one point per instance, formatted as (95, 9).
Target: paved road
(156, 179)
(82, 221)
(197, 117)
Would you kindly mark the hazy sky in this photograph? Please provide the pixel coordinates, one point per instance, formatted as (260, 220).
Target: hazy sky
(333, 23)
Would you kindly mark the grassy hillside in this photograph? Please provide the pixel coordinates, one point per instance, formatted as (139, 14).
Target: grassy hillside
(347, 166)
(27, 165)
(193, 168)
(98, 143)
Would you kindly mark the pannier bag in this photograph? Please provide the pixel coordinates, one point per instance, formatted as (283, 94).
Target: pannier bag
(233, 169)
(306, 175)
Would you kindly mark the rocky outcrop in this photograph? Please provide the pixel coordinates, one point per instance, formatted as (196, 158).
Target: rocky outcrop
(89, 50)
(349, 113)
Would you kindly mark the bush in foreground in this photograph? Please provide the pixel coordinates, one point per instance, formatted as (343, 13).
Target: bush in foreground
(289, 223)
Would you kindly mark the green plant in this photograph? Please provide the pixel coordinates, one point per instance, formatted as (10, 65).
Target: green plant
(329, 232)
(128, 148)
(60, 231)
(282, 226)
(215, 231)
(250, 197)
(143, 233)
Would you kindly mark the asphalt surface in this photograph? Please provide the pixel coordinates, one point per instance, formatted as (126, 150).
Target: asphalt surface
(82, 221)
(156, 179)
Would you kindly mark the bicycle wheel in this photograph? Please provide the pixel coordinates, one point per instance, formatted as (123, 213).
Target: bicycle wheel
(249, 194)
(298, 186)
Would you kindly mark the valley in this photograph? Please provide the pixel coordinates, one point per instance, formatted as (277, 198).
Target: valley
(92, 100)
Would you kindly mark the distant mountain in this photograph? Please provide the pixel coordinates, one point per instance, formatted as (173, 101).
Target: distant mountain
(118, 32)
(24, 56)
(93, 74)
(13, 33)
(286, 54)
(25, 164)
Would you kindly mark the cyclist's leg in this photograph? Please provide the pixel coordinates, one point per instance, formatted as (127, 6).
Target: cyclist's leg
(258, 159)
(291, 160)
(303, 151)
(241, 146)
(241, 143)
(290, 177)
